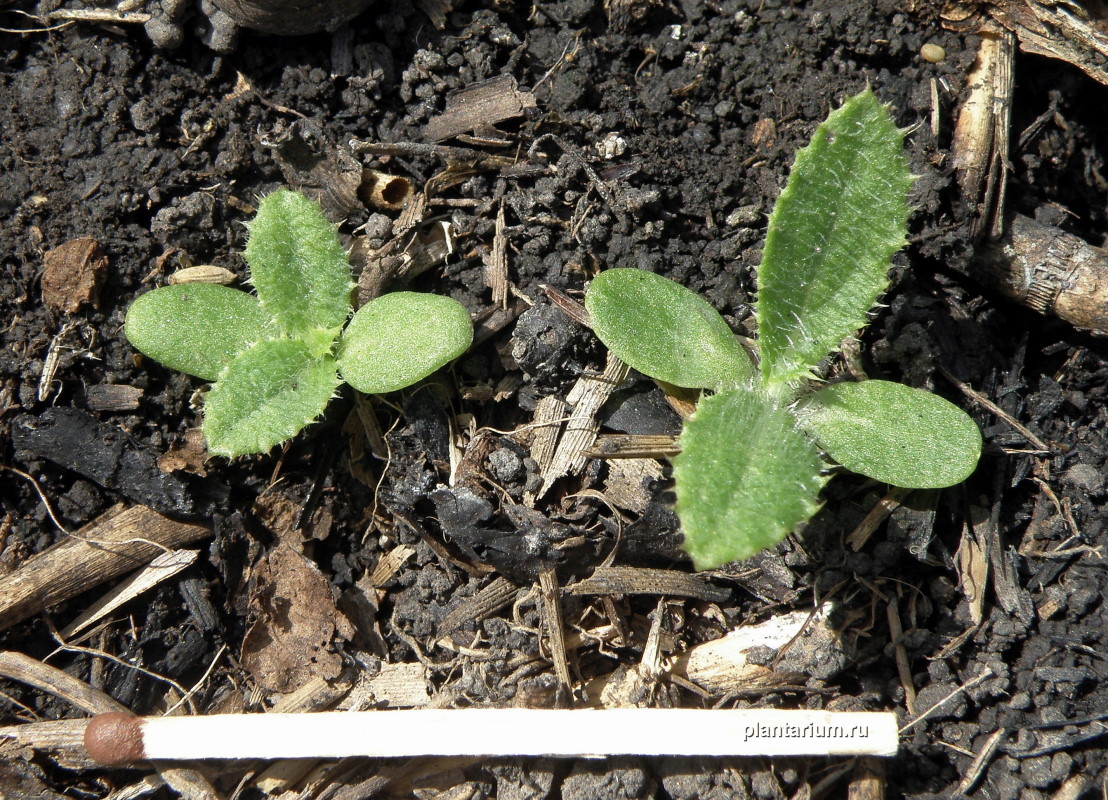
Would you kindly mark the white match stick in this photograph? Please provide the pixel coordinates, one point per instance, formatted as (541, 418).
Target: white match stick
(116, 739)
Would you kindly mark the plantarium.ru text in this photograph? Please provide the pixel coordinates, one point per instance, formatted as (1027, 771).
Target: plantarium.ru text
(750, 468)
(276, 356)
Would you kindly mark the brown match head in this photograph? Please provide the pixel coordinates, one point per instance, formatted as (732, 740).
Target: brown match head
(115, 739)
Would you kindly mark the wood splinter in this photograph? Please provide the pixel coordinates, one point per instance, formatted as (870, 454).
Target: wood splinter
(116, 739)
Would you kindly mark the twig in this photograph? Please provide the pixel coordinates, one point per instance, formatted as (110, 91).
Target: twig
(989, 405)
(984, 676)
(973, 774)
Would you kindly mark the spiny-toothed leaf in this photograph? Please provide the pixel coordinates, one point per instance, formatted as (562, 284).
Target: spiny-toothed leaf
(400, 338)
(196, 328)
(893, 433)
(832, 233)
(746, 477)
(266, 396)
(666, 331)
(298, 266)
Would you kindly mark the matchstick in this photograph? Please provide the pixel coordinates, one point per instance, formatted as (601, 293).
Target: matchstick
(117, 739)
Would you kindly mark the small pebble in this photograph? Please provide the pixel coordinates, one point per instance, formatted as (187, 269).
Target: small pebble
(932, 53)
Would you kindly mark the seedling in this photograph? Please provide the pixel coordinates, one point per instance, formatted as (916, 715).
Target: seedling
(750, 468)
(276, 357)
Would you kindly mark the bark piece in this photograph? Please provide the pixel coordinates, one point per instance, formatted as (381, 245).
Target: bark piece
(1051, 272)
(116, 542)
(640, 580)
(72, 275)
(1073, 32)
(981, 134)
(105, 455)
(630, 482)
(479, 105)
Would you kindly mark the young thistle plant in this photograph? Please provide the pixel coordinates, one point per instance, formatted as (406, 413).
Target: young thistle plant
(750, 468)
(276, 356)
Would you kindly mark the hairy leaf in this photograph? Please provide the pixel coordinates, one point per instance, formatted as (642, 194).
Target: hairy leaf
(840, 218)
(299, 268)
(266, 396)
(400, 338)
(666, 331)
(196, 328)
(746, 477)
(893, 433)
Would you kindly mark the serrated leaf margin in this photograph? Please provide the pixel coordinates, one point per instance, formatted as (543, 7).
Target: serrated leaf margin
(267, 395)
(299, 269)
(832, 233)
(746, 477)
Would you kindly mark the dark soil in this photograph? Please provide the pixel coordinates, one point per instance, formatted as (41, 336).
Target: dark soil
(159, 155)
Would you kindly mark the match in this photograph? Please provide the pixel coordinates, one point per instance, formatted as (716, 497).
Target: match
(117, 739)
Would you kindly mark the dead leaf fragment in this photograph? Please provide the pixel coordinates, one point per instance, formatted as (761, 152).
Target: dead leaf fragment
(973, 571)
(296, 624)
(72, 275)
(187, 455)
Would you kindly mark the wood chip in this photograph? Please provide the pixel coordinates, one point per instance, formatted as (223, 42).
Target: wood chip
(478, 106)
(640, 580)
(550, 414)
(573, 309)
(45, 678)
(72, 275)
(629, 482)
(585, 398)
(496, 263)
(634, 445)
(973, 571)
(981, 134)
(880, 512)
(900, 653)
(113, 544)
(389, 564)
(493, 319)
(162, 568)
(805, 644)
(499, 593)
(552, 621)
(188, 782)
(54, 735)
(1004, 573)
(868, 781)
(394, 686)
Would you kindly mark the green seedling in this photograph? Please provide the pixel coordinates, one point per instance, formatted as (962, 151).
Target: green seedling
(752, 456)
(276, 356)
